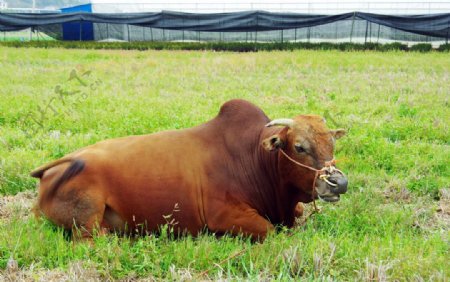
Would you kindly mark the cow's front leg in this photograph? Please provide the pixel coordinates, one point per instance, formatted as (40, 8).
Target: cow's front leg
(299, 210)
(240, 221)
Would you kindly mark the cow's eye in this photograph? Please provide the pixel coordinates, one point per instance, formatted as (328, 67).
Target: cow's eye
(299, 148)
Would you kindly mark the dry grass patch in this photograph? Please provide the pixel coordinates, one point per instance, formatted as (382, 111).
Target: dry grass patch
(18, 206)
(77, 271)
(443, 210)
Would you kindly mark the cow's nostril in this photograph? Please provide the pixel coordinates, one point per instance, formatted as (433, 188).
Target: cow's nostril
(342, 184)
(333, 180)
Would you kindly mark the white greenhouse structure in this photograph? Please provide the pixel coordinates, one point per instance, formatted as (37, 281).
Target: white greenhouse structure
(348, 29)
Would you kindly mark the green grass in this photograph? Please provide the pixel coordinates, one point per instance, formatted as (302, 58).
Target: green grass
(395, 105)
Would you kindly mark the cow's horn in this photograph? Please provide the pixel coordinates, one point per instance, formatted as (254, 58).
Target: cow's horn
(281, 122)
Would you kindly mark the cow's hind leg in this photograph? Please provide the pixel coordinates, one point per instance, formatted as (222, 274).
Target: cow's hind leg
(79, 210)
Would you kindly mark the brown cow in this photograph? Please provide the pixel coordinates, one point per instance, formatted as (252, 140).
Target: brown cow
(227, 175)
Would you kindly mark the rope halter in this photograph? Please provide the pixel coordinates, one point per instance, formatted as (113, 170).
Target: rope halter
(324, 173)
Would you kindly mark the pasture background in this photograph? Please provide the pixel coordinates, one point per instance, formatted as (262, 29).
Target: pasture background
(392, 224)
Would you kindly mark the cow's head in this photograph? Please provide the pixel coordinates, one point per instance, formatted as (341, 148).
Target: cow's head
(306, 140)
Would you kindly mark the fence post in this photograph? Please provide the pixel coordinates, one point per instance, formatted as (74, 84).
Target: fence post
(336, 31)
(143, 33)
(128, 32)
(448, 28)
(220, 32)
(257, 25)
(295, 35)
(308, 34)
(81, 29)
(282, 35)
(198, 22)
(353, 24)
(367, 29)
(151, 34)
(164, 24)
(107, 30)
(246, 34)
(182, 35)
(378, 37)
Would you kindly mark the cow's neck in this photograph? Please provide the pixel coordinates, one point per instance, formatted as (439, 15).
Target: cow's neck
(279, 199)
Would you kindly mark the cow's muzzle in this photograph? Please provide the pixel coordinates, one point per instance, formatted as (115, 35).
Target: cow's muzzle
(340, 183)
(329, 182)
(333, 184)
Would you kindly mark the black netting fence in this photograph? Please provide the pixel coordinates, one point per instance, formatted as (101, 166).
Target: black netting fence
(250, 26)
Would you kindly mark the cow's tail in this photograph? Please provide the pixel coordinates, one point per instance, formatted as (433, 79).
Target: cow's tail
(39, 172)
(75, 168)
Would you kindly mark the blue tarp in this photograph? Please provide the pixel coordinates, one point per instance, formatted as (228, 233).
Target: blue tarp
(81, 30)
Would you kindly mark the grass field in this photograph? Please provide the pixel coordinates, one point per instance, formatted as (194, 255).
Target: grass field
(393, 224)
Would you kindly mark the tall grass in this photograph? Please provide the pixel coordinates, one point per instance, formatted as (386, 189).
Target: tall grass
(226, 46)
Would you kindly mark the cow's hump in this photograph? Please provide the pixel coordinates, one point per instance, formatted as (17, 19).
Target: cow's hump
(238, 126)
(241, 111)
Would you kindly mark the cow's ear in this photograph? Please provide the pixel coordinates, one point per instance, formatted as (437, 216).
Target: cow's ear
(338, 133)
(276, 141)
